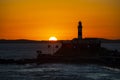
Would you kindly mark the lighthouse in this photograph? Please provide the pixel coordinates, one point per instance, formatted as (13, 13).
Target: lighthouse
(79, 31)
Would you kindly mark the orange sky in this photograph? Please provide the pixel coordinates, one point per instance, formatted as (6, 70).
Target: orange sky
(40, 19)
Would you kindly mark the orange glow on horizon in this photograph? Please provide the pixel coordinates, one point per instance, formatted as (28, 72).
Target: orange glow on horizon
(39, 19)
(52, 38)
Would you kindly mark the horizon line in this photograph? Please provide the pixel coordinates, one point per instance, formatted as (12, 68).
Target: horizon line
(58, 40)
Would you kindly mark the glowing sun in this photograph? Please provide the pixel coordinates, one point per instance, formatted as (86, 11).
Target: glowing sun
(53, 38)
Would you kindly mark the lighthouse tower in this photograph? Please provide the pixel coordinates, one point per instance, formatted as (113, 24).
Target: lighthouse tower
(79, 31)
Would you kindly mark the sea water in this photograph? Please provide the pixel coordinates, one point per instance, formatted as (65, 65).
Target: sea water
(26, 50)
(50, 71)
(58, 72)
(111, 46)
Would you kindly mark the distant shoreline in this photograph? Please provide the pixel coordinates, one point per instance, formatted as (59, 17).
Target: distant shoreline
(45, 41)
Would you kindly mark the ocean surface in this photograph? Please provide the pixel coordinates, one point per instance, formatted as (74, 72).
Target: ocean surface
(26, 50)
(51, 71)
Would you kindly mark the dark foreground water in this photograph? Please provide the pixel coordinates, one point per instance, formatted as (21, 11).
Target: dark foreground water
(28, 50)
(58, 72)
(50, 71)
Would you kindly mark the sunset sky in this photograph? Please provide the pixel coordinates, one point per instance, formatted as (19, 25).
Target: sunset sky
(40, 19)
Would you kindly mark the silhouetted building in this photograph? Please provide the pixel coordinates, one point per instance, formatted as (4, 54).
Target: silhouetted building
(87, 42)
(80, 31)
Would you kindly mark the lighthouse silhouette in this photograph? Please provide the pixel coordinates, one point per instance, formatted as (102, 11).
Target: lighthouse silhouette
(80, 30)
